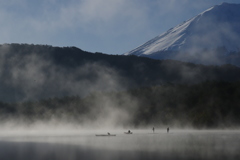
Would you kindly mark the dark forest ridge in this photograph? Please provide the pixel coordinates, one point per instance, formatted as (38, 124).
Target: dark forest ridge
(41, 82)
(30, 72)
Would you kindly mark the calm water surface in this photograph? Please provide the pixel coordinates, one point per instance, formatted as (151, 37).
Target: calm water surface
(142, 144)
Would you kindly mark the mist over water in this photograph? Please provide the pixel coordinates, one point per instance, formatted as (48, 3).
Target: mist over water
(142, 144)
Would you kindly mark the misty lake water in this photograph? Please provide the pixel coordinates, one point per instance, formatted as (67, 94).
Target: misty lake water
(142, 144)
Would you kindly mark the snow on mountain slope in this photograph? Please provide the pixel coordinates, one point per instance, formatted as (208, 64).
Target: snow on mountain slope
(172, 39)
(218, 26)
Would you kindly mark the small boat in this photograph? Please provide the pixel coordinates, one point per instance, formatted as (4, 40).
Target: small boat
(105, 134)
(108, 134)
(128, 132)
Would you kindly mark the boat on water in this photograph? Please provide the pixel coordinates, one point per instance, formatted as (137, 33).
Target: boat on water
(128, 132)
(108, 134)
(105, 134)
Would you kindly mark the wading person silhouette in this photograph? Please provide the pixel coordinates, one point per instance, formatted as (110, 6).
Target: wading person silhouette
(153, 129)
(167, 129)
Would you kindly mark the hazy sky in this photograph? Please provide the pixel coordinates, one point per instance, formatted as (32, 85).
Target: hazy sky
(108, 26)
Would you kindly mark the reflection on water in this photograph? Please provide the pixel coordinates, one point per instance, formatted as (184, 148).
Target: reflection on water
(142, 144)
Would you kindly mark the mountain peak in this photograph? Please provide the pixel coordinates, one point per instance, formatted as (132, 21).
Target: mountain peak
(218, 26)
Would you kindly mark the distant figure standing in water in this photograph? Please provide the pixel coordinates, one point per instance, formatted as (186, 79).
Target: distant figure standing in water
(153, 129)
(167, 129)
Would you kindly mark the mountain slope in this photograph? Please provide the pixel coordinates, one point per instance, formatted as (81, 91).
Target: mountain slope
(217, 27)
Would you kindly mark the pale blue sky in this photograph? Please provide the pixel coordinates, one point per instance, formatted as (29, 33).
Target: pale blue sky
(108, 26)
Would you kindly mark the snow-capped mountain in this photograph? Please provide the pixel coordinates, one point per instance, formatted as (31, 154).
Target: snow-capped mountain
(198, 39)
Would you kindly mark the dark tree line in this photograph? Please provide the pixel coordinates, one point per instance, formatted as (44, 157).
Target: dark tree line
(56, 64)
(208, 104)
(161, 92)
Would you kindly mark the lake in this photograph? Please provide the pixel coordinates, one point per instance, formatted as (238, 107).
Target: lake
(142, 144)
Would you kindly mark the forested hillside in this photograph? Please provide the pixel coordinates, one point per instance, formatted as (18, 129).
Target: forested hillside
(42, 83)
(32, 72)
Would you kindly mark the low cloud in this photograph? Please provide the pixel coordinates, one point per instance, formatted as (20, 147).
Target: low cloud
(31, 76)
